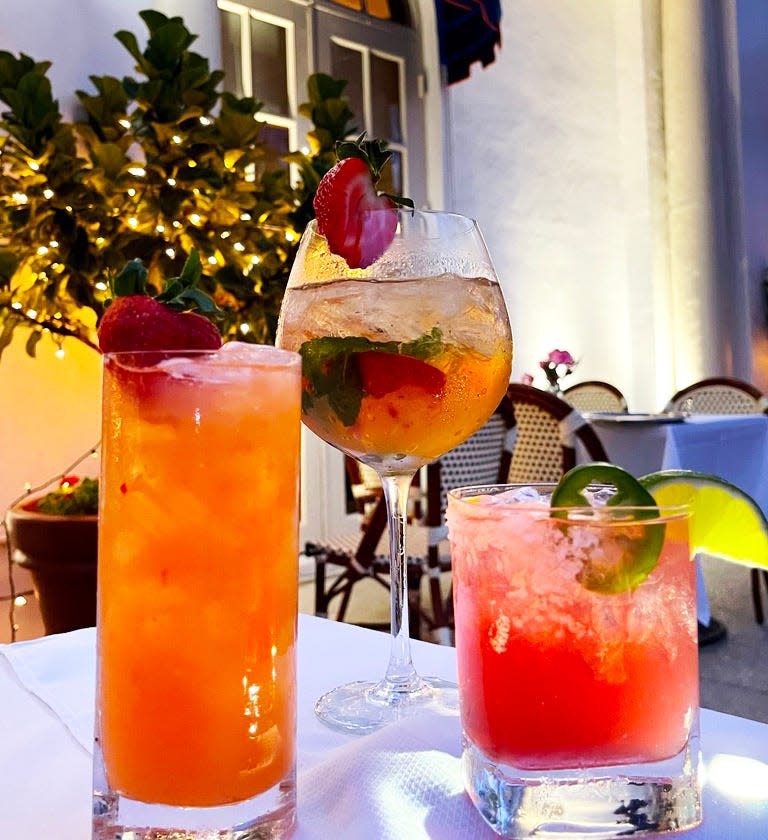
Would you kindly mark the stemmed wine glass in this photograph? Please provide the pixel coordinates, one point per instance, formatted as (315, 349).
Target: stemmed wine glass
(402, 361)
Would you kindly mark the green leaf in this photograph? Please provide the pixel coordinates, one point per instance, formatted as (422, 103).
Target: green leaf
(132, 280)
(331, 368)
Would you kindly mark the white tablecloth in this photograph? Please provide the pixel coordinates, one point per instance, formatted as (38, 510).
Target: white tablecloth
(733, 446)
(402, 782)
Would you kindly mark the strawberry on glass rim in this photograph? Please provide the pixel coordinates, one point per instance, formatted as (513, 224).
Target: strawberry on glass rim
(358, 222)
(135, 320)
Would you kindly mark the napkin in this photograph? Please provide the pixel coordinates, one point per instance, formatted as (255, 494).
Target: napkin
(61, 671)
(402, 781)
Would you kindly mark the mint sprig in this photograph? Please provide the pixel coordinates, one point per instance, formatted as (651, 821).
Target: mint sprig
(331, 369)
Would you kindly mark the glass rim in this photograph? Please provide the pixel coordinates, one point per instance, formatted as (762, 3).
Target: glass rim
(588, 514)
(279, 355)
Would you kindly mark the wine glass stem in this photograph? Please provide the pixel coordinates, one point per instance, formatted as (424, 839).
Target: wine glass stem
(401, 675)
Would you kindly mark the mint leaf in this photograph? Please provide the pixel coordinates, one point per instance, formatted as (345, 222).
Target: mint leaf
(331, 369)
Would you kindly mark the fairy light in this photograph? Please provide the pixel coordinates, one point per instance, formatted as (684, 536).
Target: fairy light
(19, 601)
(255, 260)
(225, 234)
(290, 236)
(195, 218)
(212, 261)
(15, 305)
(53, 244)
(100, 241)
(131, 192)
(20, 198)
(171, 182)
(133, 222)
(33, 165)
(171, 252)
(245, 217)
(205, 121)
(238, 246)
(176, 139)
(176, 223)
(42, 251)
(159, 228)
(101, 286)
(124, 123)
(47, 193)
(138, 171)
(68, 208)
(32, 313)
(245, 329)
(60, 353)
(191, 164)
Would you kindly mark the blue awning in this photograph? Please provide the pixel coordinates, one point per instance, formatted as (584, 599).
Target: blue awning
(469, 31)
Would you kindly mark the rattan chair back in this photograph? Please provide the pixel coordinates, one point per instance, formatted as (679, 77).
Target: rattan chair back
(595, 395)
(719, 395)
(546, 429)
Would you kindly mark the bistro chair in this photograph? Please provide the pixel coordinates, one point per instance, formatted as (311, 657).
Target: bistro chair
(726, 395)
(594, 395)
(479, 460)
(544, 436)
(719, 395)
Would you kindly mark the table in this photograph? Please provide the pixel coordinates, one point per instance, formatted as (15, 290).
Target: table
(402, 782)
(732, 446)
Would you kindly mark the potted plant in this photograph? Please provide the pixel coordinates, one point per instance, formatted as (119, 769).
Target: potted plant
(54, 537)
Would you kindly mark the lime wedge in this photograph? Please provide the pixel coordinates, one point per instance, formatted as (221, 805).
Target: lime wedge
(726, 521)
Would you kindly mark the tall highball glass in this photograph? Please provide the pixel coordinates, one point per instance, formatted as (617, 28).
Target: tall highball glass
(402, 361)
(197, 595)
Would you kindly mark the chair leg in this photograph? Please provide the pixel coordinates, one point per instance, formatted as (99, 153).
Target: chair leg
(321, 599)
(757, 598)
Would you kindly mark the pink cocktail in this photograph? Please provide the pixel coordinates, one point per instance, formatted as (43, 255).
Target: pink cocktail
(562, 685)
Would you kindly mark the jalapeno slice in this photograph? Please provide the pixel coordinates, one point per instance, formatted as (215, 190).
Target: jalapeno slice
(638, 554)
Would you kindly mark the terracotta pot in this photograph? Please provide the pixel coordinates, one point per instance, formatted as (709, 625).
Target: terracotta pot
(60, 554)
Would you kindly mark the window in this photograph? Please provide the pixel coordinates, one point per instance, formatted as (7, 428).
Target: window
(270, 47)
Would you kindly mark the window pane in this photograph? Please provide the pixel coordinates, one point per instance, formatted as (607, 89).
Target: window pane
(348, 64)
(385, 97)
(230, 50)
(378, 9)
(392, 176)
(276, 139)
(268, 62)
(349, 4)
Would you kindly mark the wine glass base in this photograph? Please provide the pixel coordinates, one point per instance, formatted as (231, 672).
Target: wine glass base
(361, 707)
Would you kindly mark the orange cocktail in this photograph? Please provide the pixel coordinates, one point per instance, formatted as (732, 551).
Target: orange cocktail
(198, 574)
(389, 375)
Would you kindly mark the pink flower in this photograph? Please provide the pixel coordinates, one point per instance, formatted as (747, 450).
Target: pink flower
(561, 357)
(526, 379)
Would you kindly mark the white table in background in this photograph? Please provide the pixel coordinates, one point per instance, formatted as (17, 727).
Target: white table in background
(732, 446)
(46, 703)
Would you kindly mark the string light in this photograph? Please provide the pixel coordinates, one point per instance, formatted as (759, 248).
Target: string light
(176, 139)
(101, 286)
(48, 193)
(195, 218)
(15, 305)
(212, 261)
(33, 165)
(159, 228)
(32, 313)
(138, 171)
(171, 253)
(20, 198)
(53, 244)
(124, 123)
(131, 192)
(245, 329)
(171, 182)
(238, 246)
(42, 250)
(133, 222)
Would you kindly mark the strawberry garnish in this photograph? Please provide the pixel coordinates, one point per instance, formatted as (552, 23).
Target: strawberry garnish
(135, 320)
(358, 222)
(382, 373)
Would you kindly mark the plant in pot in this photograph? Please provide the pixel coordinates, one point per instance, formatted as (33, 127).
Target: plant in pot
(54, 537)
(157, 167)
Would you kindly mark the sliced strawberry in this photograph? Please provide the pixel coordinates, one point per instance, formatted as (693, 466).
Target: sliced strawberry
(137, 321)
(358, 223)
(382, 373)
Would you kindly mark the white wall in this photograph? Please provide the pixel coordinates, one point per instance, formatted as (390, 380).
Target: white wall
(550, 154)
